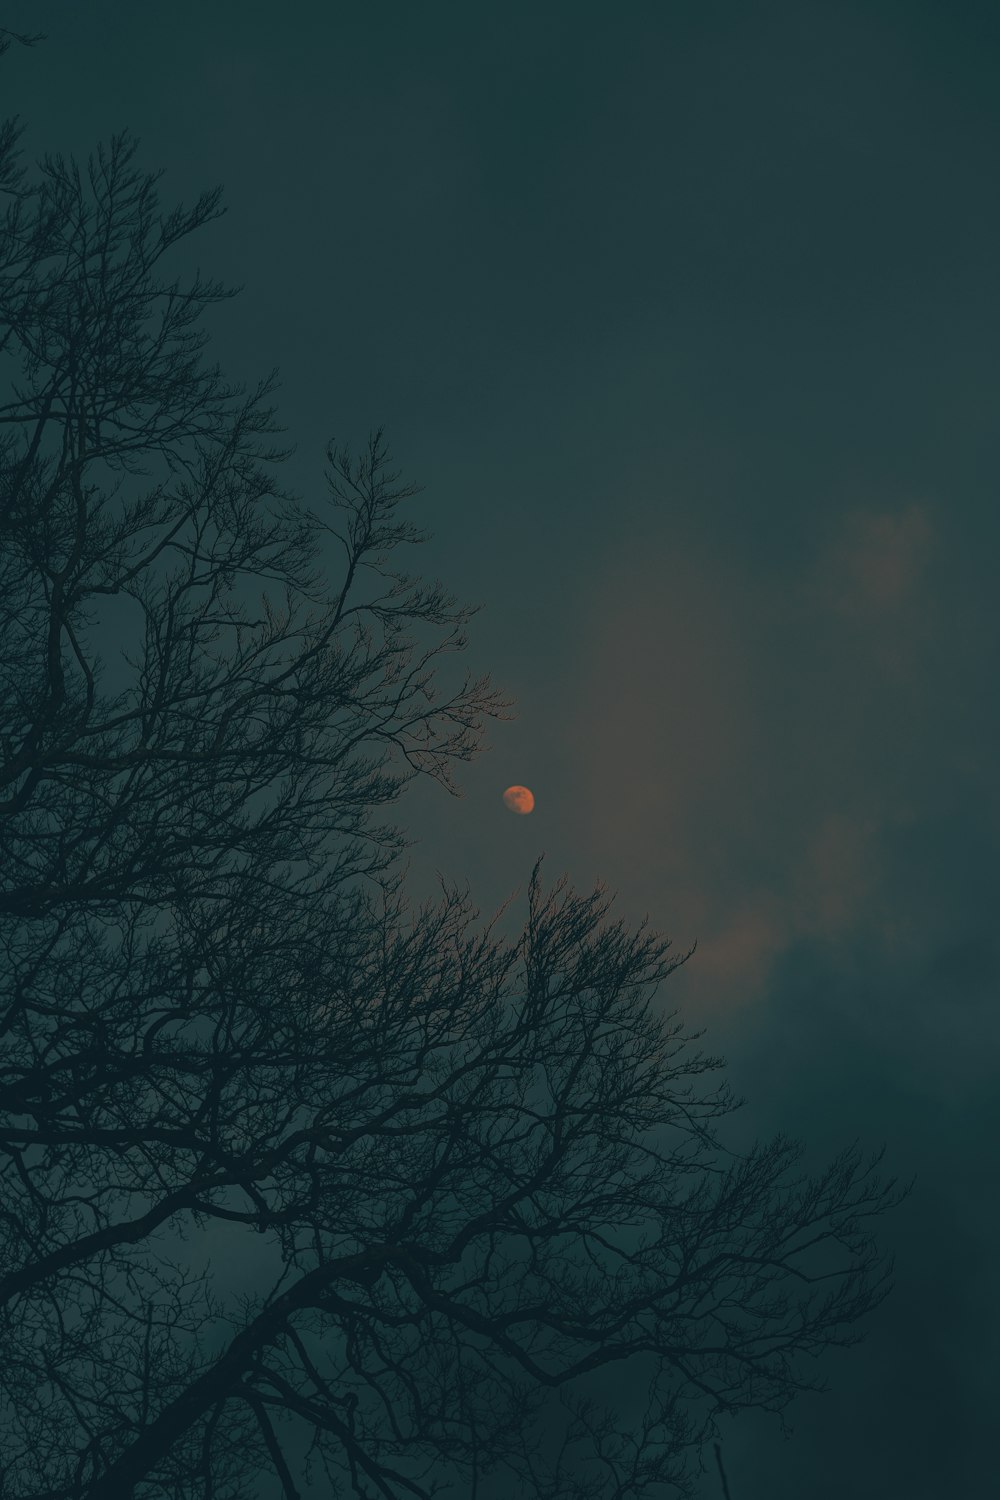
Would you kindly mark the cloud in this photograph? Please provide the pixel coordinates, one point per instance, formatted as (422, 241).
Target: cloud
(874, 578)
(881, 559)
(746, 742)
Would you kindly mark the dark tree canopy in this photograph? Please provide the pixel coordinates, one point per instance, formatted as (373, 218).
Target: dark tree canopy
(476, 1178)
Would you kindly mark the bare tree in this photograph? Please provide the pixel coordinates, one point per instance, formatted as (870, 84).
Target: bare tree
(473, 1175)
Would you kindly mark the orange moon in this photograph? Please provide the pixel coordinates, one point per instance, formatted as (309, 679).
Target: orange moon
(519, 799)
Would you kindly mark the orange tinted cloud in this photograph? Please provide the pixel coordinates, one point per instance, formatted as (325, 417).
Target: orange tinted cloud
(884, 556)
(756, 751)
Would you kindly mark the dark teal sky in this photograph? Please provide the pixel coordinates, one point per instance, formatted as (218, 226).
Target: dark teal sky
(688, 317)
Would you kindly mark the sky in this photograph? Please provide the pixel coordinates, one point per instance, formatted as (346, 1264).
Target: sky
(686, 315)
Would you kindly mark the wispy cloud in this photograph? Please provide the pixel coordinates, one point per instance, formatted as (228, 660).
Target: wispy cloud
(744, 742)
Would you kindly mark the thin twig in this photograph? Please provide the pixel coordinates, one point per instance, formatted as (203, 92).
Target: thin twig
(722, 1472)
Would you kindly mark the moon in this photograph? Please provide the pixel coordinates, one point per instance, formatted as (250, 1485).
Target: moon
(519, 800)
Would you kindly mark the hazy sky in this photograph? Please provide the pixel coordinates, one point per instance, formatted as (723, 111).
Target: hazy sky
(688, 317)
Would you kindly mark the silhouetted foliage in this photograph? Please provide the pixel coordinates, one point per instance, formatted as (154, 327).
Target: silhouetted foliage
(302, 1186)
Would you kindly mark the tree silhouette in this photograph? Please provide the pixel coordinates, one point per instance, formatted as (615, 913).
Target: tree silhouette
(10, 39)
(472, 1176)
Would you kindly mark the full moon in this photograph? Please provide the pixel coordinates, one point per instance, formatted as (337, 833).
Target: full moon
(519, 799)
